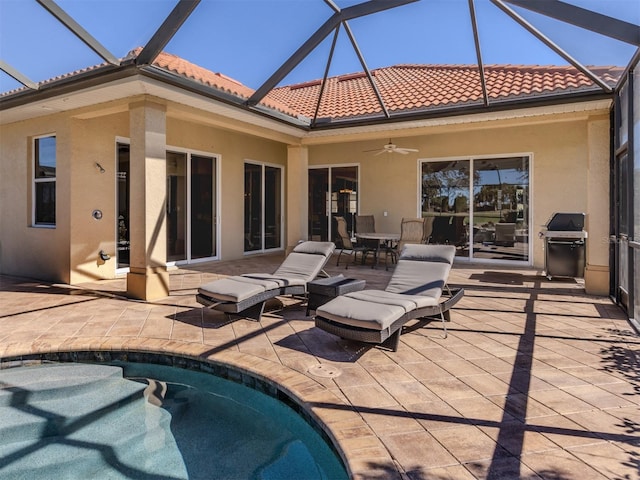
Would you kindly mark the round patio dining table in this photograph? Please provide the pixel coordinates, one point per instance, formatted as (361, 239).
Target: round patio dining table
(382, 239)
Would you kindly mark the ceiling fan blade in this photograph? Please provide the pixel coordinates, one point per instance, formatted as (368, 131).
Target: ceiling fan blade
(380, 152)
(374, 150)
(405, 150)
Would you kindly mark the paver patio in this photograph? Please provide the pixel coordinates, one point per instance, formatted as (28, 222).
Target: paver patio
(535, 380)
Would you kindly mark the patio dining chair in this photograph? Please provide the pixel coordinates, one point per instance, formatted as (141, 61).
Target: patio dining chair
(346, 246)
(412, 231)
(367, 224)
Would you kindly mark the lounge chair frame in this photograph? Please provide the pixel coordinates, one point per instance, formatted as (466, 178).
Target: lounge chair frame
(390, 336)
(253, 307)
(418, 286)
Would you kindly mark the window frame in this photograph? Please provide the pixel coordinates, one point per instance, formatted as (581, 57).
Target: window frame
(472, 159)
(35, 181)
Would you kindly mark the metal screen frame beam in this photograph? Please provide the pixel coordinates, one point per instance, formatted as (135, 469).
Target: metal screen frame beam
(326, 75)
(583, 18)
(18, 76)
(552, 45)
(476, 40)
(166, 31)
(63, 17)
(360, 10)
(366, 69)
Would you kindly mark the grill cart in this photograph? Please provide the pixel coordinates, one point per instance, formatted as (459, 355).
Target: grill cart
(564, 245)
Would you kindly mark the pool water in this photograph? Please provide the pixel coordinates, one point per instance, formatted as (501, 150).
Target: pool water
(146, 421)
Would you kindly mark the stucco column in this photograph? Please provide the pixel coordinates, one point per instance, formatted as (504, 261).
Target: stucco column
(297, 194)
(596, 275)
(148, 278)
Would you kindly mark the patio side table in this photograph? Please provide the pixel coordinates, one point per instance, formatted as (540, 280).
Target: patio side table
(322, 290)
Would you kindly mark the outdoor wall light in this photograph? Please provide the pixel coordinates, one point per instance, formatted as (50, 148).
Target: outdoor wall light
(104, 256)
(100, 168)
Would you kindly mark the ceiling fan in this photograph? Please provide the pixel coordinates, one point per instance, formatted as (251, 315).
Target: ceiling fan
(392, 148)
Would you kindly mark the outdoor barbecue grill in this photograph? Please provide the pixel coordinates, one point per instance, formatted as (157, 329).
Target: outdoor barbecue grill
(564, 245)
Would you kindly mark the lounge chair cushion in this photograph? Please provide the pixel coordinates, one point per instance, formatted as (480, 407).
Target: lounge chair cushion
(302, 262)
(435, 253)
(268, 279)
(317, 248)
(235, 289)
(301, 265)
(408, 302)
(414, 277)
(359, 313)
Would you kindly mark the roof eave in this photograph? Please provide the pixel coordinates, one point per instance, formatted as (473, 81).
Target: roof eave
(200, 88)
(68, 85)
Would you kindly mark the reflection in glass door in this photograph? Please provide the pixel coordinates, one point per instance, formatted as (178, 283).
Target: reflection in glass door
(262, 207)
(479, 205)
(191, 207)
(329, 199)
(445, 202)
(318, 204)
(501, 209)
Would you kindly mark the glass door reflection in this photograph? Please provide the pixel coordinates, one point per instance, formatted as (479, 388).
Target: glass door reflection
(445, 202)
(501, 207)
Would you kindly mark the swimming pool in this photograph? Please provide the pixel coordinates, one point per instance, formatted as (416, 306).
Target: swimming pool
(148, 421)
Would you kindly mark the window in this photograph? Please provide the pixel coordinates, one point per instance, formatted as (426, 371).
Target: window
(44, 181)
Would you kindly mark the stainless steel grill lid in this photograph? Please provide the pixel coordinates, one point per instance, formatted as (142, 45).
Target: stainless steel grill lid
(568, 222)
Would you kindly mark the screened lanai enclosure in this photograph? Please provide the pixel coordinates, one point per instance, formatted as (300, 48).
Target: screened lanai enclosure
(311, 70)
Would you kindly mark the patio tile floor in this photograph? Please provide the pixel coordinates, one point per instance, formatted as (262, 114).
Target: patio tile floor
(535, 380)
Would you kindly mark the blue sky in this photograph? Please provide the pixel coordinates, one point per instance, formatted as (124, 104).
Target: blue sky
(248, 39)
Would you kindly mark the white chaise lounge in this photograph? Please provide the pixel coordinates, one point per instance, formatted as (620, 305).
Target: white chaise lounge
(415, 290)
(245, 295)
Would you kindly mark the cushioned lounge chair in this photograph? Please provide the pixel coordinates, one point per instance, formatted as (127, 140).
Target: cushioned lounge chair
(415, 290)
(245, 295)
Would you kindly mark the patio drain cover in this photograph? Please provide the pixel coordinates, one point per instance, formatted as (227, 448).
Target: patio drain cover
(325, 371)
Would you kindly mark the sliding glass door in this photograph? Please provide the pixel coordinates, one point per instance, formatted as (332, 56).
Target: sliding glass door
(480, 205)
(122, 206)
(262, 207)
(191, 207)
(333, 191)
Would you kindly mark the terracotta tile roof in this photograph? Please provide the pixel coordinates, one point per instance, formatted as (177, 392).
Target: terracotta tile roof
(184, 68)
(402, 87)
(216, 80)
(411, 87)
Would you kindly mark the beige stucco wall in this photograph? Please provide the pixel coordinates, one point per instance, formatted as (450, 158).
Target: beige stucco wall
(566, 162)
(569, 163)
(70, 252)
(33, 252)
(94, 141)
(233, 149)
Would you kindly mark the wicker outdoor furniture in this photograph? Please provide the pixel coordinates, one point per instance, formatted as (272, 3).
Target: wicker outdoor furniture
(322, 290)
(415, 291)
(245, 295)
